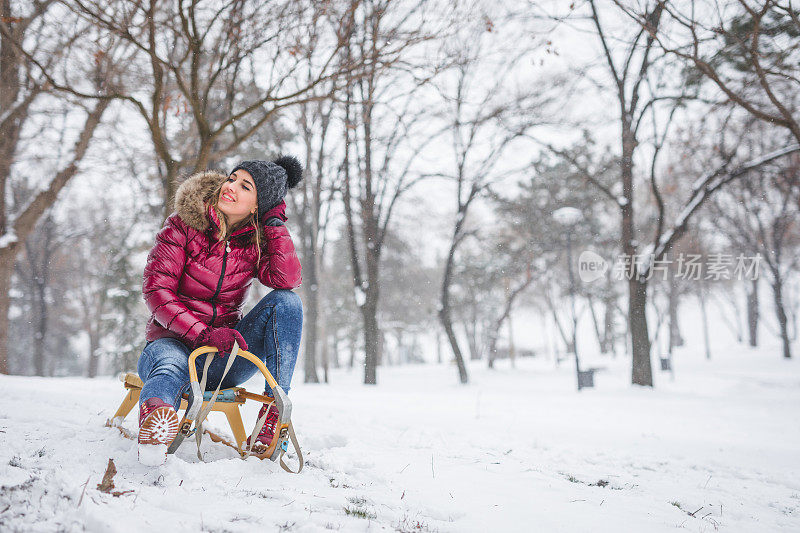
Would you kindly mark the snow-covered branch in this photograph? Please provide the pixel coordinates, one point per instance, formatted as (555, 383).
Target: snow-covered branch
(702, 189)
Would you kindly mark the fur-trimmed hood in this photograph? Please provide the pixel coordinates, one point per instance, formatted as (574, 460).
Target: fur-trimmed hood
(192, 203)
(192, 195)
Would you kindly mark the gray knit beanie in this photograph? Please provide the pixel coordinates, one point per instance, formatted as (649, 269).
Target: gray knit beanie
(272, 179)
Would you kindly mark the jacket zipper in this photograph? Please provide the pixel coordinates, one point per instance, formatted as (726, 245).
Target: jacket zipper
(219, 283)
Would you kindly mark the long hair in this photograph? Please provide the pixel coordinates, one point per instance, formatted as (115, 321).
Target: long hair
(226, 230)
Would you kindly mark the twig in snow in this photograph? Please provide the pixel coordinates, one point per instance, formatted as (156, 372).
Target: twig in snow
(108, 478)
(108, 481)
(694, 513)
(83, 491)
(709, 479)
(401, 470)
(433, 472)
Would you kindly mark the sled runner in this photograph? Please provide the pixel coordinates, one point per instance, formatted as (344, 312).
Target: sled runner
(228, 402)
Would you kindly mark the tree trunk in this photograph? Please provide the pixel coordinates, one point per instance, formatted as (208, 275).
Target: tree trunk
(94, 356)
(600, 340)
(383, 357)
(10, 64)
(324, 350)
(780, 311)
(310, 327)
(353, 348)
(438, 346)
(471, 332)
(27, 219)
(371, 340)
(608, 321)
(752, 313)
(642, 371)
(444, 310)
(706, 340)
(334, 348)
(447, 323)
(512, 349)
(675, 337)
(493, 336)
(40, 331)
(309, 225)
(402, 351)
(6, 269)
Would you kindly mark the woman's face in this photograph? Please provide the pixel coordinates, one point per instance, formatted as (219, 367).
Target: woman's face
(237, 198)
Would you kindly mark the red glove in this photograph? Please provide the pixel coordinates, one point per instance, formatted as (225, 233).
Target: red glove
(220, 338)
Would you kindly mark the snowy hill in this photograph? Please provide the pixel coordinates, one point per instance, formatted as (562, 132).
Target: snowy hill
(516, 450)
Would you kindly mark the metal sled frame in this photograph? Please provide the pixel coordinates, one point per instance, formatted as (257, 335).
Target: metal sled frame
(228, 401)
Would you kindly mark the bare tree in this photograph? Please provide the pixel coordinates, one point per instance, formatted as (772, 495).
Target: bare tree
(638, 73)
(318, 189)
(342, 316)
(753, 314)
(384, 132)
(222, 71)
(40, 249)
(408, 296)
(100, 260)
(758, 216)
(41, 317)
(534, 242)
(315, 211)
(751, 54)
(484, 122)
(629, 77)
(29, 56)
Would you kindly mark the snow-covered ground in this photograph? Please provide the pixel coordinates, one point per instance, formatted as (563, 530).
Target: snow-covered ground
(516, 450)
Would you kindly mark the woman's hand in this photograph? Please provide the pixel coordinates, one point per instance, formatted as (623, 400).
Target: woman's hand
(279, 212)
(220, 338)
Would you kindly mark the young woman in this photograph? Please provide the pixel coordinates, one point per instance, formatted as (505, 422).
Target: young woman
(225, 231)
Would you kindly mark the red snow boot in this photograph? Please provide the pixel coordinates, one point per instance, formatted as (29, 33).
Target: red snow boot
(264, 437)
(158, 425)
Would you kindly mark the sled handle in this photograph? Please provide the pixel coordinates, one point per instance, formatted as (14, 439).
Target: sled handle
(280, 440)
(242, 353)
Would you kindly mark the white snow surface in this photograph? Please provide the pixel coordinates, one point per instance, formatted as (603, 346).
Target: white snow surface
(518, 449)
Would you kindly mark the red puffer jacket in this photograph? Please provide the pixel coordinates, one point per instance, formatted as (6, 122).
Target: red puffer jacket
(191, 281)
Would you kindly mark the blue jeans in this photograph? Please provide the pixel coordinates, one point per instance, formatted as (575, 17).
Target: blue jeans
(271, 330)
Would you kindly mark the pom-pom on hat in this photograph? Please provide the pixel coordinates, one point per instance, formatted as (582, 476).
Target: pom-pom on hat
(272, 179)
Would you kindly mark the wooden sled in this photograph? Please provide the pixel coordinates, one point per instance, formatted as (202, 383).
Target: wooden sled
(228, 401)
